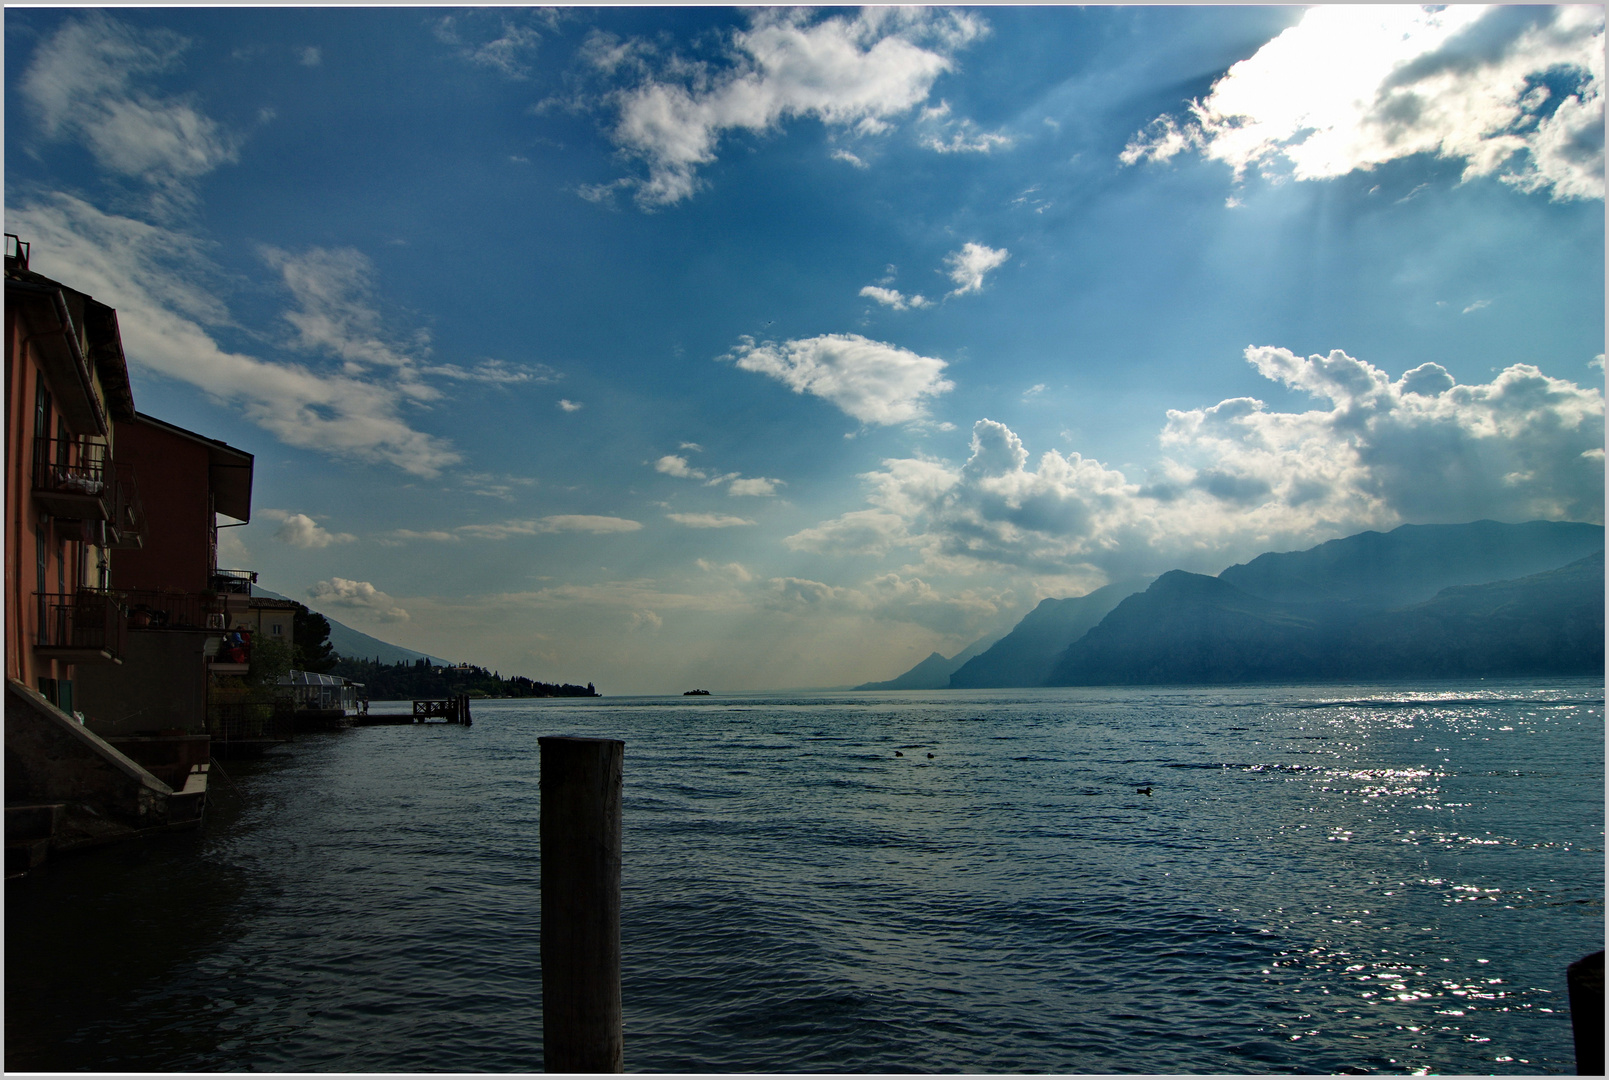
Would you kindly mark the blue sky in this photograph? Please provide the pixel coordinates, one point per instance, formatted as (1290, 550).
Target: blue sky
(664, 347)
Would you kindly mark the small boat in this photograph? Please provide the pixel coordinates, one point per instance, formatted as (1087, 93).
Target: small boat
(695, 693)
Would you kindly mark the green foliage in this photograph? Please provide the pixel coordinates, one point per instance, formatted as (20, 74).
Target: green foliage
(270, 658)
(405, 681)
(313, 649)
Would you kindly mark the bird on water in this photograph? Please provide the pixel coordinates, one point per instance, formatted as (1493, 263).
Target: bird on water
(898, 754)
(1143, 791)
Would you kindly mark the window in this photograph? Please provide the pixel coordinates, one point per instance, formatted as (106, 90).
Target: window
(278, 629)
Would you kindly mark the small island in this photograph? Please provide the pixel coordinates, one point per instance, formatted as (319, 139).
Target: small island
(695, 693)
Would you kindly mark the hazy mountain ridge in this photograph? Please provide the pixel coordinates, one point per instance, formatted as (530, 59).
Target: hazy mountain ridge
(934, 672)
(1028, 653)
(1483, 598)
(1412, 563)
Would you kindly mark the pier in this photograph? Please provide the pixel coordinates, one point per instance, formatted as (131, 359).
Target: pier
(453, 710)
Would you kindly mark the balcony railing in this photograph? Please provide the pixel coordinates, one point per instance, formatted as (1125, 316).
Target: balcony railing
(234, 654)
(154, 609)
(244, 722)
(73, 478)
(85, 627)
(126, 527)
(234, 582)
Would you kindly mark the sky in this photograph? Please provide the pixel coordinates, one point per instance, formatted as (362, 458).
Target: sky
(778, 348)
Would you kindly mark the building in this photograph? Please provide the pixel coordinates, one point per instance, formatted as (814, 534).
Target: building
(69, 499)
(114, 601)
(182, 606)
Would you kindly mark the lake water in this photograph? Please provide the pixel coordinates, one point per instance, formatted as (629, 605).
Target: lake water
(1323, 879)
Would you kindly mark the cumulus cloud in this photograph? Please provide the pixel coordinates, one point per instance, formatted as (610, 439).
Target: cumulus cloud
(311, 56)
(1237, 478)
(894, 298)
(851, 72)
(1511, 91)
(709, 521)
(891, 597)
(569, 406)
(968, 266)
(753, 485)
(645, 620)
(874, 382)
(949, 135)
(299, 530)
(158, 280)
(90, 81)
(676, 465)
(358, 595)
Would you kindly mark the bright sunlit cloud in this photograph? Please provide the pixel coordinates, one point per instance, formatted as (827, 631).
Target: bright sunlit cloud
(874, 382)
(859, 71)
(1513, 91)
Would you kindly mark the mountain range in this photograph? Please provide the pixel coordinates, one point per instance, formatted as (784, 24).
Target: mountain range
(1484, 598)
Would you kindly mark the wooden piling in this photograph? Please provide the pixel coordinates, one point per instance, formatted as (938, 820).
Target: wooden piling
(580, 834)
(1584, 980)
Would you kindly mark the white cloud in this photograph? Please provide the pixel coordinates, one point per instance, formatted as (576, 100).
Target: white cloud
(310, 56)
(156, 278)
(859, 532)
(708, 521)
(841, 154)
(676, 465)
(1237, 478)
(358, 595)
(1353, 87)
(948, 135)
(732, 571)
(1476, 306)
(890, 597)
(570, 406)
(86, 82)
(506, 53)
(497, 372)
(753, 485)
(556, 523)
(969, 265)
(844, 71)
(894, 298)
(874, 382)
(336, 315)
(645, 620)
(299, 530)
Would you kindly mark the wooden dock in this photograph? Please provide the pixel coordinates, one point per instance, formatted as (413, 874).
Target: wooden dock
(453, 710)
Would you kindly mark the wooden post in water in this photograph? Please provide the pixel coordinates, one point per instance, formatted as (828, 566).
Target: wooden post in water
(580, 831)
(1584, 979)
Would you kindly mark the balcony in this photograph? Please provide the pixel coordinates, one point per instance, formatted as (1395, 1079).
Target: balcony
(234, 654)
(233, 582)
(73, 478)
(86, 627)
(126, 526)
(154, 609)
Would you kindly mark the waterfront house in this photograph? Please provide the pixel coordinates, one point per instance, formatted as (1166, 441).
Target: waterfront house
(105, 720)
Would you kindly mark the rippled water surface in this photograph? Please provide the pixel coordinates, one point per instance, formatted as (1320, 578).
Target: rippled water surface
(1322, 879)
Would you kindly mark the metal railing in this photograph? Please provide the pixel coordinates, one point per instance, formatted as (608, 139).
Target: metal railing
(87, 622)
(73, 477)
(128, 512)
(158, 609)
(253, 720)
(235, 582)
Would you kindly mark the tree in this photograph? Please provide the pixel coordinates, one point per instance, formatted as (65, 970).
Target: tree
(313, 649)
